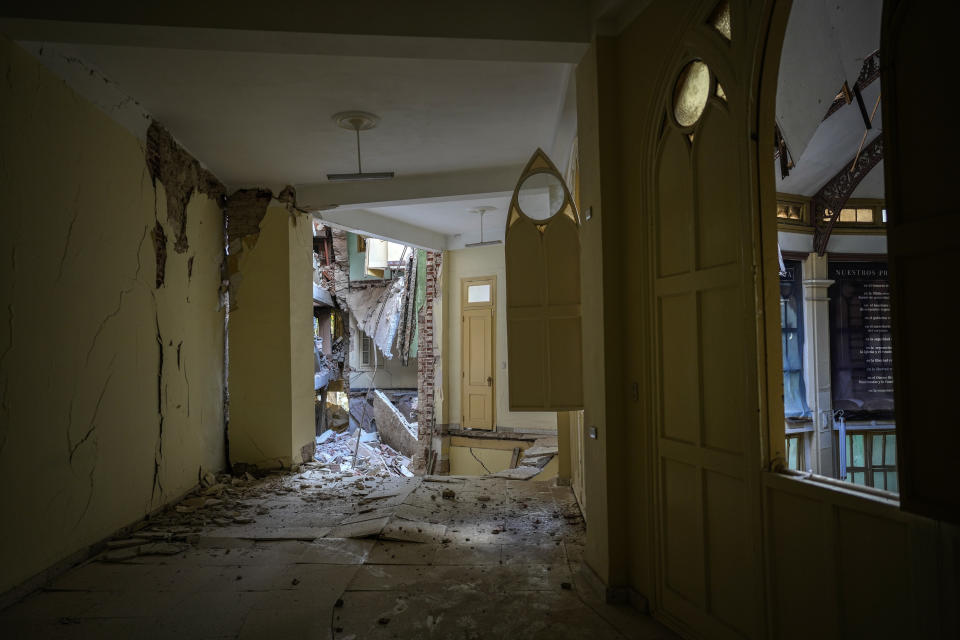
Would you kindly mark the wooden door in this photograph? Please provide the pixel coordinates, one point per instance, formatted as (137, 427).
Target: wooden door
(477, 324)
(706, 331)
(923, 240)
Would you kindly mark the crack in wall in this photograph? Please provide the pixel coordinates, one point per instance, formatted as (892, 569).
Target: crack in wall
(160, 250)
(181, 175)
(66, 244)
(119, 307)
(96, 450)
(158, 451)
(92, 427)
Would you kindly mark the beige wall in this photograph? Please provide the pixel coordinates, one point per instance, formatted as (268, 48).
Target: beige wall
(271, 344)
(391, 373)
(89, 410)
(465, 263)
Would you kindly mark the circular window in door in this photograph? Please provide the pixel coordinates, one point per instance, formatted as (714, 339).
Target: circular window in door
(691, 93)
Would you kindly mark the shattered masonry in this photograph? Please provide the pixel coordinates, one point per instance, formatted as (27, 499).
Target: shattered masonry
(245, 210)
(181, 176)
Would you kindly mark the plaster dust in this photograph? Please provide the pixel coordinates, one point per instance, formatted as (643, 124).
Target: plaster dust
(112, 387)
(269, 557)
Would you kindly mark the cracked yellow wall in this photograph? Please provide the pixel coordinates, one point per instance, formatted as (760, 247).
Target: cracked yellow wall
(271, 344)
(83, 450)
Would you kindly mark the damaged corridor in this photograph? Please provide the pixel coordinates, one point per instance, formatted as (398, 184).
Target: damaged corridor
(541, 319)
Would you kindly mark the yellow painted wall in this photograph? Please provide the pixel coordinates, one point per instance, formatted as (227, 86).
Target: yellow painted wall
(302, 413)
(271, 349)
(462, 463)
(83, 328)
(464, 263)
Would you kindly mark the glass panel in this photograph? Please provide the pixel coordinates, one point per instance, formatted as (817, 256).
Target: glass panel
(883, 215)
(540, 196)
(890, 454)
(876, 450)
(793, 453)
(691, 93)
(892, 481)
(721, 19)
(858, 457)
(865, 215)
(878, 480)
(789, 211)
(848, 215)
(478, 293)
(858, 478)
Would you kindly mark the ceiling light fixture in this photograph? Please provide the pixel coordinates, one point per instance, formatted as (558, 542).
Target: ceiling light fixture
(482, 210)
(357, 121)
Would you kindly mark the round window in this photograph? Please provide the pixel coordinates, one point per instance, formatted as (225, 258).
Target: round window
(691, 93)
(540, 196)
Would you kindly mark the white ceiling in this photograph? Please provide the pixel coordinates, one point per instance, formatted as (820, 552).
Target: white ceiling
(826, 43)
(264, 118)
(453, 218)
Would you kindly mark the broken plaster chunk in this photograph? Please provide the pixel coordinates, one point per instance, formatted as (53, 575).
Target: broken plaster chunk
(449, 494)
(119, 555)
(161, 549)
(127, 542)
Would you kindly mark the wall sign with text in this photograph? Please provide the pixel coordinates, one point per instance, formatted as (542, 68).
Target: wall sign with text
(861, 350)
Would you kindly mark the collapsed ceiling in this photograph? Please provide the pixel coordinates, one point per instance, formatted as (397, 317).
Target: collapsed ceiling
(826, 45)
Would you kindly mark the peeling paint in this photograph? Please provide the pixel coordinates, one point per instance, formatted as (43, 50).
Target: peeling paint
(181, 175)
(245, 210)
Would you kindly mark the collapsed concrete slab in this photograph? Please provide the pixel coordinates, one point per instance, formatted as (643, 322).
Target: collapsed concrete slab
(392, 426)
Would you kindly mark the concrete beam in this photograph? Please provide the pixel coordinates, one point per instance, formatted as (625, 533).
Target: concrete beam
(376, 226)
(249, 41)
(409, 189)
(533, 30)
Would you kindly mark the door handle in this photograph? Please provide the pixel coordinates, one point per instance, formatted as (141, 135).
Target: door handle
(489, 381)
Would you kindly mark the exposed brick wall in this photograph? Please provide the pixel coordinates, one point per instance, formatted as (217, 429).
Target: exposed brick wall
(426, 364)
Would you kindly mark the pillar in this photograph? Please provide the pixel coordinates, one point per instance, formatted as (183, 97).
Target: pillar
(816, 350)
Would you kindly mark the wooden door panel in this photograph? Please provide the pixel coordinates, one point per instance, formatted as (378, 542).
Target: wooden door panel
(708, 504)
(477, 397)
(717, 189)
(675, 211)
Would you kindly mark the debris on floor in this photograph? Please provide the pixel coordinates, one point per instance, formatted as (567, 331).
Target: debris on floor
(335, 451)
(533, 460)
(333, 554)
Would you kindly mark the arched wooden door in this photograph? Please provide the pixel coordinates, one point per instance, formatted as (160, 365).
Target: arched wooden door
(706, 333)
(542, 253)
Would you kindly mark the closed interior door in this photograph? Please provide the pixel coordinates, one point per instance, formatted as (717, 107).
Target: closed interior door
(707, 502)
(478, 304)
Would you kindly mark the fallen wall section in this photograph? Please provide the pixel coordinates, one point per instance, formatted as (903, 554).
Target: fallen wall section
(393, 428)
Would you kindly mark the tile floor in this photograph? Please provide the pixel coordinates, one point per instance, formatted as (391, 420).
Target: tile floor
(497, 559)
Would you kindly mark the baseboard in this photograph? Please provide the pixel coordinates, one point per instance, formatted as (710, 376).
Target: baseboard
(54, 571)
(613, 595)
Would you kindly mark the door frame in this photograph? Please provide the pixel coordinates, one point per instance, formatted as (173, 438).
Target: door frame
(465, 283)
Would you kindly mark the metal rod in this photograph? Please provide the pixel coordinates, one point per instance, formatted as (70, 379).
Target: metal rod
(359, 166)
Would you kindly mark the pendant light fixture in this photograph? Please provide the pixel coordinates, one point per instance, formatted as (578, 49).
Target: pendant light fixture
(482, 210)
(357, 121)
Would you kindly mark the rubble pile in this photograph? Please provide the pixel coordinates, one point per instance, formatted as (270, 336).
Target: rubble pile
(335, 452)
